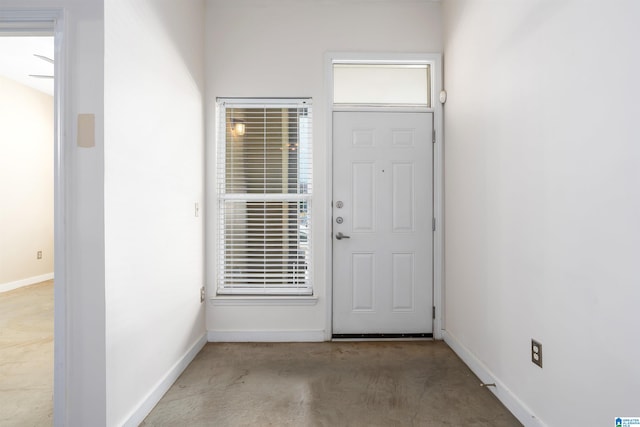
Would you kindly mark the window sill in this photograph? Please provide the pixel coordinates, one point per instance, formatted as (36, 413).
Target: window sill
(242, 300)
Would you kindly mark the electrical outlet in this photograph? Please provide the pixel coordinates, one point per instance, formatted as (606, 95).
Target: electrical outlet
(202, 294)
(39, 255)
(536, 352)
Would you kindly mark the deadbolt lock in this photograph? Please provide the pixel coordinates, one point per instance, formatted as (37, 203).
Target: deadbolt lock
(339, 220)
(339, 204)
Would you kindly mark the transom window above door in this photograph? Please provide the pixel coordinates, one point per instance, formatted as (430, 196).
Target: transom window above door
(264, 188)
(376, 84)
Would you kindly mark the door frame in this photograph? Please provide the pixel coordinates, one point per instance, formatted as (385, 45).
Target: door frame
(51, 22)
(435, 62)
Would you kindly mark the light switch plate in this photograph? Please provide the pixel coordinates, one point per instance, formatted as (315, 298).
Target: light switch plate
(86, 137)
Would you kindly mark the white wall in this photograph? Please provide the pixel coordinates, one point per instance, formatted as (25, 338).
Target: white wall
(543, 201)
(26, 184)
(262, 48)
(154, 156)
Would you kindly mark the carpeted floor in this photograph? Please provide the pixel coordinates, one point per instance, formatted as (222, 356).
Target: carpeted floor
(26, 356)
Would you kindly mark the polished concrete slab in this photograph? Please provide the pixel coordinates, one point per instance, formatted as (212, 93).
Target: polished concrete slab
(329, 384)
(26, 356)
(294, 384)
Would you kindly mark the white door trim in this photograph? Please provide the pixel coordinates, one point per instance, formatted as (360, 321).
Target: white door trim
(38, 21)
(435, 60)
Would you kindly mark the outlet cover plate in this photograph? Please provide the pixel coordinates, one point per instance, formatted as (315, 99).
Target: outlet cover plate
(536, 353)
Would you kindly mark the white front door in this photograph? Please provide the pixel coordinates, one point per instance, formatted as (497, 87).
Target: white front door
(382, 223)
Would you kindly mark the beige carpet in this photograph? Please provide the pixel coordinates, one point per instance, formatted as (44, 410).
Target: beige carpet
(26, 356)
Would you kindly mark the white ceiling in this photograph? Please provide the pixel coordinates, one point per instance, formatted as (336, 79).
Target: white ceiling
(17, 61)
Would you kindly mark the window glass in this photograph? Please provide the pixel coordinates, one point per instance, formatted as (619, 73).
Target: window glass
(387, 84)
(264, 197)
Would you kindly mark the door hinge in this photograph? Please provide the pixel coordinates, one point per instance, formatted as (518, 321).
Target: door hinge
(433, 224)
(434, 312)
(433, 136)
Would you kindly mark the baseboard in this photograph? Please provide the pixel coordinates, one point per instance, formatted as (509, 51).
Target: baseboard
(153, 397)
(501, 391)
(266, 336)
(6, 287)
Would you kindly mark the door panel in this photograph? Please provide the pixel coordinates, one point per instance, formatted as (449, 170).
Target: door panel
(402, 198)
(403, 281)
(363, 197)
(382, 267)
(363, 280)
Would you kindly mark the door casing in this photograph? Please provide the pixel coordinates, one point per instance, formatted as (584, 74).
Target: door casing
(435, 61)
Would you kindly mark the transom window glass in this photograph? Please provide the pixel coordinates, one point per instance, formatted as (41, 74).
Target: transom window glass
(381, 84)
(264, 197)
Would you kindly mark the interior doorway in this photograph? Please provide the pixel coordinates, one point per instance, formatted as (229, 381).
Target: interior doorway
(27, 140)
(27, 160)
(49, 22)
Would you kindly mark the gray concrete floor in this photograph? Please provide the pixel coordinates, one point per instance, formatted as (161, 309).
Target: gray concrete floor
(298, 384)
(329, 384)
(26, 356)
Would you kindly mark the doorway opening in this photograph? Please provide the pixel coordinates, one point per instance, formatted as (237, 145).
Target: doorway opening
(26, 226)
(385, 177)
(48, 24)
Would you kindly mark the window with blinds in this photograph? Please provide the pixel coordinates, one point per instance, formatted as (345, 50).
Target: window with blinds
(264, 197)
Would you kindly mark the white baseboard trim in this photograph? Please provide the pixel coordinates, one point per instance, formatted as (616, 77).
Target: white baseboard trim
(266, 336)
(501, 391)
(6, 287)
(153, 397)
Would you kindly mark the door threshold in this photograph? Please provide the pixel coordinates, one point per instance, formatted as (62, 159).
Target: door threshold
(383, 337)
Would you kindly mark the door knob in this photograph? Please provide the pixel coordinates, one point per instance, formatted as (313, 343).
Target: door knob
(341, 236)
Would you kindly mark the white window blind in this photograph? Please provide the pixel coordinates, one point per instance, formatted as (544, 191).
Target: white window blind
(264, 197)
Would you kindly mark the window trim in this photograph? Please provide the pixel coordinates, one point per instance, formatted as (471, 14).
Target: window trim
(264, 300)
(303, 295)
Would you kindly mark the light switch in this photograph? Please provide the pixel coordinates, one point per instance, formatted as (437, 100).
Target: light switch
(86, 137)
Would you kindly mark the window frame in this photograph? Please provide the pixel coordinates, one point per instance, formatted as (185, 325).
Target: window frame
(300, 290)
(375, 84)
